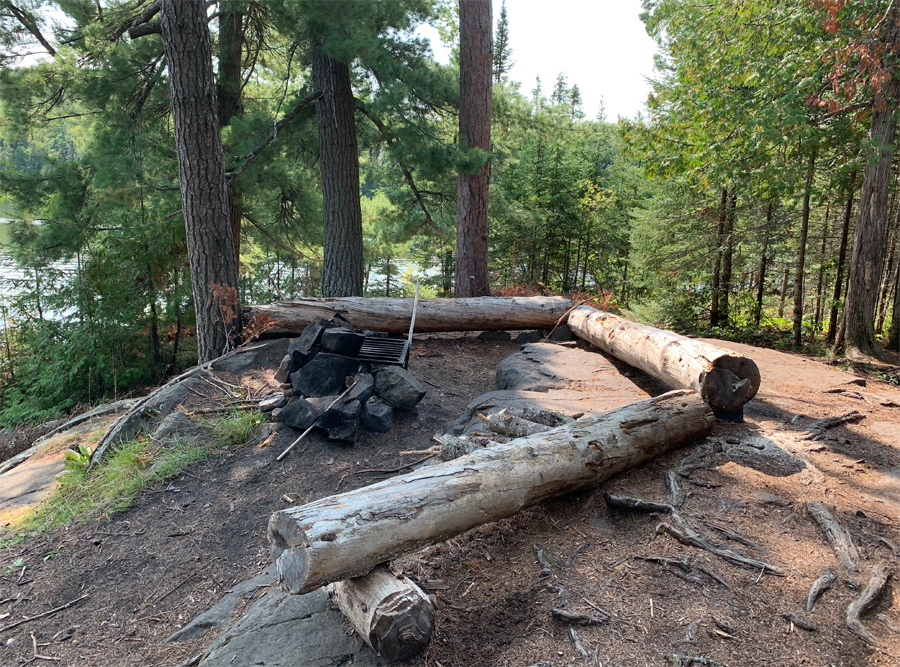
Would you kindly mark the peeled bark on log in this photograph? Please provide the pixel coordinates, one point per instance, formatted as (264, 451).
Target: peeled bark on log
(390, 613)
(289, 318)
(725, 379)
(347, 535)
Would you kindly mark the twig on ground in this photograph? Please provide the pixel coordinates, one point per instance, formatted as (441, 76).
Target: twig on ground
(799, 622)
(384, 471)
(45, 614)
(313, 425)
(38, 656)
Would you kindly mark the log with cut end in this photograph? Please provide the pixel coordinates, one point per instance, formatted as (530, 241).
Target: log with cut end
(391, 614)
(725, 379)
(346, 535)
(289, 318)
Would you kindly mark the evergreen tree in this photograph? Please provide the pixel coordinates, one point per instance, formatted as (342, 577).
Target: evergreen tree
(503, 62)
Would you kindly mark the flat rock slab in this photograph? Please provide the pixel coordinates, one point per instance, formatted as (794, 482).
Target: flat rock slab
(282, 630)
(545, 366)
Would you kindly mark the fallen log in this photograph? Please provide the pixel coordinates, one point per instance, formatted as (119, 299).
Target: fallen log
(289, 318)
(725, 379)
(346, 535)
(390, 613)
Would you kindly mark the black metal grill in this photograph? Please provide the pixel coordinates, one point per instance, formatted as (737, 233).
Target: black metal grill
(385, 351)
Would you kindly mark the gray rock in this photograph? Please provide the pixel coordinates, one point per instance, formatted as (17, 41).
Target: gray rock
(341, 422)
(399, 388)
(261, 354)
(342, 341)
(285, 368)
(494, 335)
(377, 416)
(322, 403)
(299, 413)
(300, 348)
(562, 334)
(277, 415)
(282, 630)
(530, 337)
(362, 390)
(272, 401)
(219, 615)
(177, 426)
(324, 375)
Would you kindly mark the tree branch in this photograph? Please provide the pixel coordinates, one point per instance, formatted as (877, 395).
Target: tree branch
(30, 25)
(288, 117)
(391, 138)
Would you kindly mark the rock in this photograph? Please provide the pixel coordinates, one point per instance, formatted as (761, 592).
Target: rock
(377, 416)
(219, 615)
(283, 630)
(530, 337)
(178, 426)
(341, 422)
(277, 415)
(494, 335)
(285, 368)
(272, 401)
(376, 334)
(399, 388)
(342, 341)
(299, 413)
(362, 390)
(324, 375)
(259, 355)
(300, 348)
(562, 334)
(322, 403)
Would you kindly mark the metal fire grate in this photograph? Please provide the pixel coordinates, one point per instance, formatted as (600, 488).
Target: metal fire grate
(390, 350)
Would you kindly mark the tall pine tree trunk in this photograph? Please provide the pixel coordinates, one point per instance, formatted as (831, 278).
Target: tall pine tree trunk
(231, 40)
(343, 268)
(856, 337)
(201, 169)
(714, 313)
(886, 286)
(820, 283)
(727, 259)
(801, 253)
(784, 286)
(894, 331)
(760, 287)
(842, 258)
(476, 56)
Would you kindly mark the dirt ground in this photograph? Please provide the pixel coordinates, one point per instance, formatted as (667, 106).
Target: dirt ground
(140, 575)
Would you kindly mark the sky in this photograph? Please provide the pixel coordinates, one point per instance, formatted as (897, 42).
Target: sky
(601, 45)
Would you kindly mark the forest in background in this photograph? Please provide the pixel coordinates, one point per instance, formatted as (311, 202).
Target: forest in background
(729, 210)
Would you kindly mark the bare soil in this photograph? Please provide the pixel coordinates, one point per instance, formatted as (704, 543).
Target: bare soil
(146, 572)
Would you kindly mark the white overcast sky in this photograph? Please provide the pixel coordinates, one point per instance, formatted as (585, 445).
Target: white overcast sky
(601, 45)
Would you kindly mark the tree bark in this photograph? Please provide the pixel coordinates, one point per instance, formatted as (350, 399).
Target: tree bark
(289, 318)
(760, 287)
(727, 258)
(714, 312)
(390, 613)
(784, 284)
(856, 337)
(887, 284)
(842, 258)
(800, 266)
(204, 199)
(231, 40)
(476, 57)
(820, 283)
(726, 380)
(343, 267)
(894, 331)
(347, 535)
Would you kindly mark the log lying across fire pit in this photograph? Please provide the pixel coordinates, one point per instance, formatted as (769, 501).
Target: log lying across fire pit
(725, 379)
(289, 318)
(347, 535)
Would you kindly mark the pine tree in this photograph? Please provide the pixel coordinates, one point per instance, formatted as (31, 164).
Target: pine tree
(502, 50)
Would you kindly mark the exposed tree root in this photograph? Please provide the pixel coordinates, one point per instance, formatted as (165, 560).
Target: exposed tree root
(837, 536)
(823, 582)
(877, 582)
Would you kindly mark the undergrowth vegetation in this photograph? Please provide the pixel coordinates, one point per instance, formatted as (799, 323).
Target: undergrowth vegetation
(127, 469)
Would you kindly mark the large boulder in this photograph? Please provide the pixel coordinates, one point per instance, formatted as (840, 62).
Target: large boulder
(342, 341)
(324, 375)
(398, 387)
(300, 413)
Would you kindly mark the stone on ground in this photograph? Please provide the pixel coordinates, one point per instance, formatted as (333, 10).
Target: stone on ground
(341, 422)
(398, 387)
(300, 413)
(377, 416)
(324, 375)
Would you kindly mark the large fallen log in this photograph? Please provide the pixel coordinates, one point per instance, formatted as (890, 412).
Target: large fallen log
(725, 379)
(347, 535)
(391, 614)
(289, 318)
